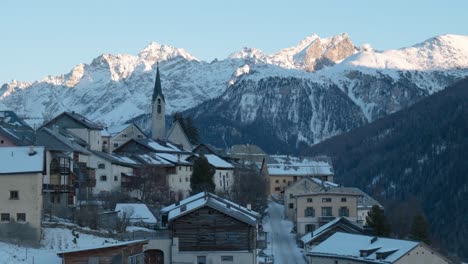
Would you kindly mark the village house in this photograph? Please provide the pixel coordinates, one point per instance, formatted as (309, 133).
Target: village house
(302, 186)
(282, 171)
(128, 252)
(66, 164)
(354, 249)
(80, 126)
(207, 229)
(340, 224)
(14, 131)
(138, 214)
(110, 168)
(118, 135)
(318, 208)
(21, 197)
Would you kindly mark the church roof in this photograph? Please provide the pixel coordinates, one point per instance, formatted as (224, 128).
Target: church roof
(157, 86)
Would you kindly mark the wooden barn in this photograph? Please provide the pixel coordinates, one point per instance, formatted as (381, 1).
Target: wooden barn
(129, 252)
(208, 229)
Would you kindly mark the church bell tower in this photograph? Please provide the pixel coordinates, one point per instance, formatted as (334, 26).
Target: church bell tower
(158, 118)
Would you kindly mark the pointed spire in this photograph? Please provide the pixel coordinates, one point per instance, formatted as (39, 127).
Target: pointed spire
(157, 85)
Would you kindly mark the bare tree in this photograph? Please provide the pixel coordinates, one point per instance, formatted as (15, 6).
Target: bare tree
(250, 188)
(123, 220)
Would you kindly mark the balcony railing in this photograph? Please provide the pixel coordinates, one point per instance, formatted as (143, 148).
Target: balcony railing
(57, 188)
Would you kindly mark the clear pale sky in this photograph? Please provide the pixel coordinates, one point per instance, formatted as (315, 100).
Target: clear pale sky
(45, 37)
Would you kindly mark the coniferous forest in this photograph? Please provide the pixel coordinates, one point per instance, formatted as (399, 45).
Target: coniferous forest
(415, 161)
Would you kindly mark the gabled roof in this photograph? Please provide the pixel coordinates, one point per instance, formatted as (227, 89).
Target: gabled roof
(116, 159)
(175, 124)
(335, 190)
(115, 130)
(349, 246)
(340, 221)
(56, 141)
(203, 199)
(16, 160)
(20, 136)
(138, 212)
(314, 182)
(158, 146)
(119, 244)
(10, 118)
(279, 165)
(215, 161)
(83, 121)
(152, 159)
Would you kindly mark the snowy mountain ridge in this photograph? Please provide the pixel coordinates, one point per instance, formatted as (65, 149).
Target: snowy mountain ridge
(113, 89)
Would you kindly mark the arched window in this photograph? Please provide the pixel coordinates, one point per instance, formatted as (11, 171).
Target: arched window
(309, 212)
(344, 211)
(159, 108)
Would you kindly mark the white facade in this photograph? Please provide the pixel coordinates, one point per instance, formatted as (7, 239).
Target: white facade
(108, 175)
(180, 181)
(158, 118)
(122, 134)
(92, 137)
(224, 179)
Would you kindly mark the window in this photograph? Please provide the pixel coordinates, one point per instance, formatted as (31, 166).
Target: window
(309, 200)
(309, 228)
(159, 108)
(93, 260)
(186, 179)
(116, 145)
(327, 211)
(101, 166)
(14, 195)
(291, 196)
(104, 142)
(309, 212)
(284, 181)
(103, 178)
(139, 136)
(291, 205)
(21, 217)
(5, 217)
(343, 199)
(277, 181)
(180, 179)
(326, 200)
(227, 258)
(124, 135)
(116, 178)
(201, 259)
(180, 168)
(289, 183)
(136, 259)
(344, 211)
(1, 141)
(190, 168)
(277, 188)
(54, 167)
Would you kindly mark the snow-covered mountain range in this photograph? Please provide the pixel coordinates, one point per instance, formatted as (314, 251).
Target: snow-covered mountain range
(303, 94)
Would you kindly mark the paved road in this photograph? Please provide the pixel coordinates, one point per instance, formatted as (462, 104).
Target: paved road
(283, 244)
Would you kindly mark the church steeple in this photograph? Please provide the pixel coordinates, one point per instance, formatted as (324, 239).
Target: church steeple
(157, 85)
(158, 126)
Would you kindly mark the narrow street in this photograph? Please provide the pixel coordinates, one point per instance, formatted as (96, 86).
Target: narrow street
(282, 242)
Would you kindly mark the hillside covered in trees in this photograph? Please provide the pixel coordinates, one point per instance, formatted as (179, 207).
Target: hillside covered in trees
(416, 162)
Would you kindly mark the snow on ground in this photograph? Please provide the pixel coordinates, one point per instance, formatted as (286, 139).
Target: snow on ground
(282, 243)
(55, 240)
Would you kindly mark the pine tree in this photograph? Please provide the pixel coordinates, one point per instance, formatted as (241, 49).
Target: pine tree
(419, 229)
(377, 221)
(202, 179)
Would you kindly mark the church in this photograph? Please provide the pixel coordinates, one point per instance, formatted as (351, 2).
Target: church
(175, 133)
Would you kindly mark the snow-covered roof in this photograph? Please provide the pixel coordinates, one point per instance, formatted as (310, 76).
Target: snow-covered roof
(126, 243)
(153, 159)
(279, 165)
(309, 237)
(105, 133)
(139, 212)
(116, 159)
(17, 160)
(218, 162)
(161, 146)
(208, 199)
(349, 246)
(174, 159)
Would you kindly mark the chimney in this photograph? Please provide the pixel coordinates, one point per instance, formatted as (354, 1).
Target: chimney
(249, 206)
(32, 152)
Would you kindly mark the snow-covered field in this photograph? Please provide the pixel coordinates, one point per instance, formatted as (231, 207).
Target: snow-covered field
(282, 243)
(55, 240)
